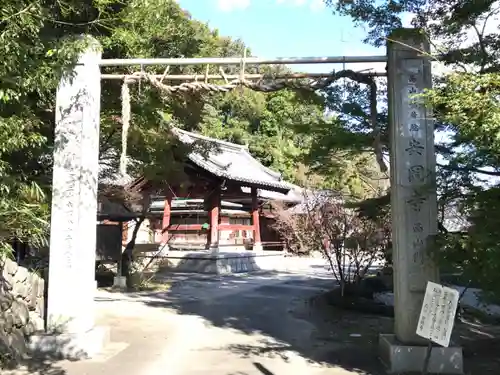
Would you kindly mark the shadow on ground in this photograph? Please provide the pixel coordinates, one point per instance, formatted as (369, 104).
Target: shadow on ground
(280, 308)
(39, 365)
(293, 315)
(41, 362)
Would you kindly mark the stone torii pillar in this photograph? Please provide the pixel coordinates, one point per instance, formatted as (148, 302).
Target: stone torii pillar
(71, 283)
(413, 204)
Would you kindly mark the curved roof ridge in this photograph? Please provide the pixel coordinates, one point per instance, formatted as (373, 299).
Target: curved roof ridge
(233, 162)
(262, 166)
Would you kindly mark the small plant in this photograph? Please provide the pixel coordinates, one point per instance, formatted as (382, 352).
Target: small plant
(349, 242)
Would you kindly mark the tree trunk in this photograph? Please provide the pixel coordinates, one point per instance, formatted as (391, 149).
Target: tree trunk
(128, 253)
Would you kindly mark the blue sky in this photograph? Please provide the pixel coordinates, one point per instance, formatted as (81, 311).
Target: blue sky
(285, 28)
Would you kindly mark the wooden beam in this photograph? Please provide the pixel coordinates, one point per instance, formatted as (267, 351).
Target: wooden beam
(235, 227)
(199, 227)
(185, 227)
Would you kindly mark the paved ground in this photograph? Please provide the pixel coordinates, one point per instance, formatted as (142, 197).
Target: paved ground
(245, 325)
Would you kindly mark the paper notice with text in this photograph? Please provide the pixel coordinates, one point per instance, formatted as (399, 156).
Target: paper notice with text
(437, 316)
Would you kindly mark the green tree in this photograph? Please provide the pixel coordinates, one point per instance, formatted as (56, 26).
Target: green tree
(267, 123)
(31, 60)
(38, 42)
(466, 106)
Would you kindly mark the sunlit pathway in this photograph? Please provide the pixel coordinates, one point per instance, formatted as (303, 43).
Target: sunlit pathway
(251, 333)
(233, 325)
(245, 325)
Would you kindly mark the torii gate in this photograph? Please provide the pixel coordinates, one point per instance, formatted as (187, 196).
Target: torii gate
(72, 285)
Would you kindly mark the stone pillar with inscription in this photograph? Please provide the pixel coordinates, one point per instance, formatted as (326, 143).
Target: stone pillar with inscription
(413, 183)
(413, 196)
(71, 283)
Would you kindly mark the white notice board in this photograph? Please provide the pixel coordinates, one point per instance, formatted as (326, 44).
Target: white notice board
(438, 313)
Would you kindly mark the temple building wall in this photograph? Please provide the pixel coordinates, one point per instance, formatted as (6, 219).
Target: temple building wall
(150, 232)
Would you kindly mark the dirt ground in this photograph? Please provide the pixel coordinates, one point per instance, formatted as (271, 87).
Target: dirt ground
(272, 324)
(351, 338)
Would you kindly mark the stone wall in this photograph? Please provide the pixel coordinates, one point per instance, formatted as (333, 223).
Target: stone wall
(224, 262)
(21, 307)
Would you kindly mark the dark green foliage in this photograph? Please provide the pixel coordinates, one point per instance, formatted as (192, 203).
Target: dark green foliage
(466, 106)
(38, 40)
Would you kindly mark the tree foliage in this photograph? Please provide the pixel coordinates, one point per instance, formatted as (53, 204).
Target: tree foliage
(465, 102)
(351, 243)
(38, 40)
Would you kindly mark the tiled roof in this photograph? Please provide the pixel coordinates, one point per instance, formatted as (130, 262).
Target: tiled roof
(232, 162)
(109, 174)
(294, 195)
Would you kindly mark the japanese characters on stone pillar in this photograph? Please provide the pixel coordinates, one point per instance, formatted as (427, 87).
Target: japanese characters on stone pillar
(71, 286)
(413, 191)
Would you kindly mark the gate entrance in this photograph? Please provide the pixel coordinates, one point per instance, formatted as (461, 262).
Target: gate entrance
(412, 170)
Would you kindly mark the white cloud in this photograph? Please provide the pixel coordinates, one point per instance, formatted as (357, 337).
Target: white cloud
(232, 5)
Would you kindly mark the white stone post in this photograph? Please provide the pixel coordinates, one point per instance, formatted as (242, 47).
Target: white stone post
(413, 182)
(71, 283)
(413, 204)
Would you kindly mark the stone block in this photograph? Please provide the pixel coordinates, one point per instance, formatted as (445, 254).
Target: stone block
(9, 267)
(15, 342)
(40, 306)
(8, 321)
(21, 275)
(76, 346)
(6, 300)
(19, 316)
(35, 324)
(20, 288)
(400, 358)
(120, 282)
(7, 281)
(20, 313)
(257, 247)
(30, 280)
(223, 262)
(245, 267)
(32, 299)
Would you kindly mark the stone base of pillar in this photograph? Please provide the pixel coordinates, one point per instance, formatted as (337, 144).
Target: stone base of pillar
(257, 247)
(73, 346)
(400, 358)
(120, 282)
(213, 250)
(223, 262)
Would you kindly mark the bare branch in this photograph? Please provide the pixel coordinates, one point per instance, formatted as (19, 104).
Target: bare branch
(349, 243)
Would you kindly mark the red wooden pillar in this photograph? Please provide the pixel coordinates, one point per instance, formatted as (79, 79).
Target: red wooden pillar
(257, 244)
(214, 220)
(166, 219)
